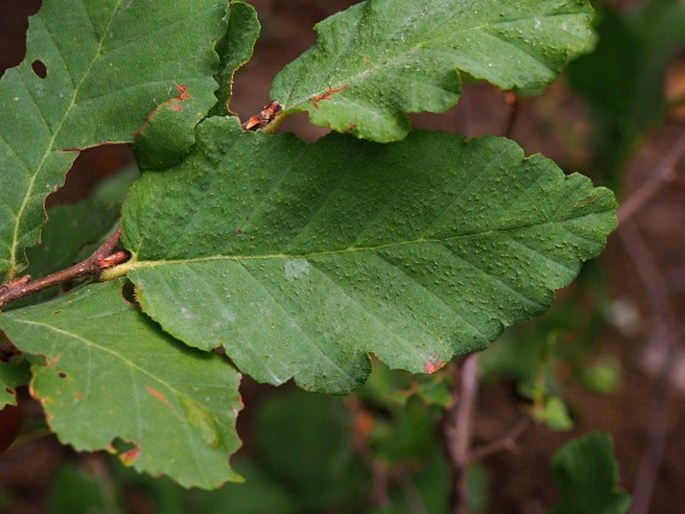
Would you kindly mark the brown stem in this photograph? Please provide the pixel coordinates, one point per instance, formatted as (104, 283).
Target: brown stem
(506, 442)
(103, 258)
(458, 428)
(663, 338)
(664, 174)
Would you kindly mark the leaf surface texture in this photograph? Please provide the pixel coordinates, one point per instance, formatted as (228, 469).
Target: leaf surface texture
(299, 259)
(107, 64)
(382, 58)
(105, 374)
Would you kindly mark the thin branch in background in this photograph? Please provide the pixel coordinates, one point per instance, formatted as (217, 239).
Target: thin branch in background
(663, 339)
(411, 494)
(506, 443)
(664, 174)
(103, 258)
(458, 430)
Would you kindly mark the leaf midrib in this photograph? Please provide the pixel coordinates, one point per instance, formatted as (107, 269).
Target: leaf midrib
(356, 78)
(134, 264)
(129, 363)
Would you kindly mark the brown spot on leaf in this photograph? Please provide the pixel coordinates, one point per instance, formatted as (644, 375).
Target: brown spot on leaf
(326, 95)
(183, 95)
(159, 396)
(433, 365)
(586, 201)
(129, 456)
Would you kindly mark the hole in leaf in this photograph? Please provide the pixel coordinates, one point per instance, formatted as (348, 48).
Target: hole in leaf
(128, 452)
(90, 168)
(9, 390)
(128, 292)
(39, 68)
(62, 374)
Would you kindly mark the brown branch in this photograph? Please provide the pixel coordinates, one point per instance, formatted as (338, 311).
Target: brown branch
(506, 443)
(103, 258)
(664, 339)
(411, 494)
(458, 428)
(665, 173)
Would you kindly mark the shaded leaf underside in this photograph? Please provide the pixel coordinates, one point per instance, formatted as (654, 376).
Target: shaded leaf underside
(586, 472)
(383, 58)
(108, 63)
(299, 259)
(12, 375)
(106, 373)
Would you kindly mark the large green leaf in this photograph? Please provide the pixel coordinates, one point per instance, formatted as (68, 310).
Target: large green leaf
(109, 63)
(587, 474)
(299, 259)
(109, 375)
(382, 58)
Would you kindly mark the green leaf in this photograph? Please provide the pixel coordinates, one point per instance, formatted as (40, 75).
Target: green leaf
(603, 376)
(235, 50)
(260, 494)
(76, 491)
(299, 259)
(311, 452)
(383, 58)
(74, 231)
(587, 474)
(12, 375)
(109, 63)
(110, 375)
(554, 413)
(168, 134)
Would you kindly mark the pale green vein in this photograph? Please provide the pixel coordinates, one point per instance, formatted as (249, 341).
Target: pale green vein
(130, 364)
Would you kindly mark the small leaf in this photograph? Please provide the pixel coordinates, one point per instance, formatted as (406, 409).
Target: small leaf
(12, 375)
(108, 64)
(554, 413)
(587, 474)
(299, 259)
(383, 58)
(110, 374)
